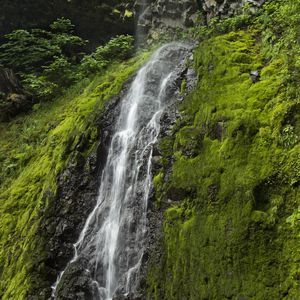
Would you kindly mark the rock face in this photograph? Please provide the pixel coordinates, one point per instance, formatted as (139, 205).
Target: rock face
(77, 194)
(13, 99)
(216, 8)
(161, 16)
(158, 17)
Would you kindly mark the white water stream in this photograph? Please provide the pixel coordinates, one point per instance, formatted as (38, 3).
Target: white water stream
(112, 240)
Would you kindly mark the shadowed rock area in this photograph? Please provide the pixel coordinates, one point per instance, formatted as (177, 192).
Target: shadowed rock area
(13, 99)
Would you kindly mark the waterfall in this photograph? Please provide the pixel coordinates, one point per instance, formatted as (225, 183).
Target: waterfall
(112, 241)
(142, 6)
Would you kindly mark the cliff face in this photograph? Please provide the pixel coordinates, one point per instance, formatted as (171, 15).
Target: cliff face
(160, 17)
(224, 214)
(213, 8)
(228, 179)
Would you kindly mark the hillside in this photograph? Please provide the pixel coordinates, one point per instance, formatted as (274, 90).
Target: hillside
(222, 208)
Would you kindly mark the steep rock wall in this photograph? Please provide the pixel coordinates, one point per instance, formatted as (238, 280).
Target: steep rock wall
(216, 8)
(158, 17)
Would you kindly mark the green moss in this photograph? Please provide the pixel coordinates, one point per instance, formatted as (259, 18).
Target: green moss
(235, 232)
(35, 149)
(183, 86)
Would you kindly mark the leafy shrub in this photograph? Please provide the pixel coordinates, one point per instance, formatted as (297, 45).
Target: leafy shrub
(49, 61)
(62, 25)
(40, 86)
(28, 51)
(118, 48)
(60, 71)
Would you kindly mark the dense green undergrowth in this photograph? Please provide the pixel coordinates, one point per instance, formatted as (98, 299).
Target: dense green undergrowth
(34, 150)
(49, 61)
(232, 231)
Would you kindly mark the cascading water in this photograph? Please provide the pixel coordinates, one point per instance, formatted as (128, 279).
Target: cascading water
(112, 241)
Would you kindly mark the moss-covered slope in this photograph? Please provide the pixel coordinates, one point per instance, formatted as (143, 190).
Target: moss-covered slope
(232, 230)
(34, 150)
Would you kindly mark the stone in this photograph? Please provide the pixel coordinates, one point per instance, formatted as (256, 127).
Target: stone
(254, 75)
(166, 16)
(219, 8)
(157, 18)
(13, 98)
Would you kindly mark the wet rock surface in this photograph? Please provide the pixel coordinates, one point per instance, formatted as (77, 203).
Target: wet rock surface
(160, 17)
(156, 214)
(218, 8)
(76, 196)
(165, 16)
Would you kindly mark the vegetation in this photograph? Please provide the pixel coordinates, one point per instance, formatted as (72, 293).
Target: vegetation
(34, 150)
(50, 61)
(232, 231)
(96, 21)
(230, 171)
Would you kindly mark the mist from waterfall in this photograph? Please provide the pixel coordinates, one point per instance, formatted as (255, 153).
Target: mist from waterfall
(141, 28)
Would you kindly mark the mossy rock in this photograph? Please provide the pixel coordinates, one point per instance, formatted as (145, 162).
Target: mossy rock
(236, 236)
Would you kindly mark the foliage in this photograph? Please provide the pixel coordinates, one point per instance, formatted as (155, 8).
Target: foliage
(50, 61)
(118, 48)
(28, 51)
(40, 86)
(62, 25)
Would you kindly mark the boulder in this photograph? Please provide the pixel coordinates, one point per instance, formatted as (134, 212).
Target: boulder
(13, 98)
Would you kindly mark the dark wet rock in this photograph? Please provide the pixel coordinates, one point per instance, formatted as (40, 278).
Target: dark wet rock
(212, 191)
(211, 67)
(77, 284)
(156, 159)
(155, 214)
(255, 76)
(219, 8)
(176, 194)
(76, 196)
(218, 130)
(166, 16)
(162, 17)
